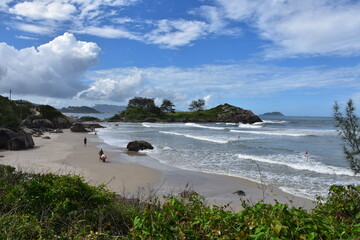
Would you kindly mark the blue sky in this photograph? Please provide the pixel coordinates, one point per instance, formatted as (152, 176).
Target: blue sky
(296, 57)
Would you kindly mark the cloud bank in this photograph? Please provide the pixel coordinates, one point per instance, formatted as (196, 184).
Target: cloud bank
(53, 69)
(290, 28)
(300, 27)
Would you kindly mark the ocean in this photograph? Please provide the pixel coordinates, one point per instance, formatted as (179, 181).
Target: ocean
(300, 155)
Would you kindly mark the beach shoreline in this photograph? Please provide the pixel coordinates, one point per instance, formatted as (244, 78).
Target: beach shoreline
(132, 174)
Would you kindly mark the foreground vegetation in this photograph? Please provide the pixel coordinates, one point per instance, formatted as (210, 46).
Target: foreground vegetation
(47, 206)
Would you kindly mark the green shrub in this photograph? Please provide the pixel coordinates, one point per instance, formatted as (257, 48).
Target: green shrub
(60, 205)
(49, 112)
(48, 206)
(88, 119)
(190, 218)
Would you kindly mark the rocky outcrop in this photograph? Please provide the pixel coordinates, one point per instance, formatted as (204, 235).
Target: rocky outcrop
(18, 140)
(138, 145)
(48, 124)
(234, 114)
(84, 127)
(79, 127)
(92, 125)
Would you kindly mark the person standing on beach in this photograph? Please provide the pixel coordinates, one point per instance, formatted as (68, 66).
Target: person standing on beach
(85, 141)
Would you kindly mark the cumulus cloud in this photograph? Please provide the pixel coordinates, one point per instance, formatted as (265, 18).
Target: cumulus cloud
(300, 27)
(52, 69)
(238, 81)
(101, 18)
(292, 28)
(114, 87)
(54, 10)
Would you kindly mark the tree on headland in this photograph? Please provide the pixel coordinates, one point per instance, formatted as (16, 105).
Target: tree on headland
(350, 132)
(167, 106)
(143, 105)
(197, 105)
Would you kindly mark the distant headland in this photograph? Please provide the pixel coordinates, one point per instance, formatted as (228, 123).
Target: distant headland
(273, 114)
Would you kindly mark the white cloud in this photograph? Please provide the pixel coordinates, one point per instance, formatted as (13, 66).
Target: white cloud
(176, 33)
(53, 69)
(109, 32)
(37, 10)
(25, 37)
(301, 27)
(4, 5)
(115, 88)
(217, 83)
(37, 29)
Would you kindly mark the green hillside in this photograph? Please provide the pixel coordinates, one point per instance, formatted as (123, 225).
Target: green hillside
(82, 109)
(221, 113)
(12, 113)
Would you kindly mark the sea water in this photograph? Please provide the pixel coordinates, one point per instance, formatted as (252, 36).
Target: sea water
(300, 155)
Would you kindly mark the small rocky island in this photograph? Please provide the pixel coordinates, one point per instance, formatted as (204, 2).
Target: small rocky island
(273, 114)
(222, 113)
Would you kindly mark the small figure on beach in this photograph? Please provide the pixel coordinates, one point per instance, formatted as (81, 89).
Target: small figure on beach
(102, 156)
(85, 141)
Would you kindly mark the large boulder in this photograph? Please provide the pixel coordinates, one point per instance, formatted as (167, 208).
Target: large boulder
(5, 135)
(92, 126)
(55, 123)
(136, 146)
(15, 140)
(78, 127)
(234, 114)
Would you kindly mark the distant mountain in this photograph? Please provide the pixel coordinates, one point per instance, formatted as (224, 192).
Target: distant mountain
(106, 108)
(273, 114)
(82, 109)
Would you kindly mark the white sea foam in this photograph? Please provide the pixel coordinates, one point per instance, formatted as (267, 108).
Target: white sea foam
(272, 133)
(272, 122)
(203, 138)
(161, 125)
(242, 125)
(202, 126)
(300, 164)
(234, 124)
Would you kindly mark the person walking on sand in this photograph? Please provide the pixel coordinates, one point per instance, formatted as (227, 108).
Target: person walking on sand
(85, 141)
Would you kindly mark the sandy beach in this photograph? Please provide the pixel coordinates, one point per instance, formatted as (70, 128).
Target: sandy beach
(65, 153)
(131, 174)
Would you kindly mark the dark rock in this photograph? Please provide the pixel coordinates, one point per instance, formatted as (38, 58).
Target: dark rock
(15, 140)
(78, 127)
(46, 137)
(92, 125)
(138, 145)
(235, 114)
(5, 135)
(38, 123)
(46, 123)
(151, 120)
